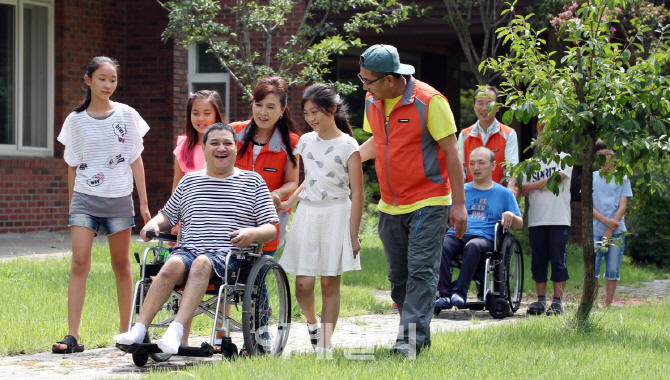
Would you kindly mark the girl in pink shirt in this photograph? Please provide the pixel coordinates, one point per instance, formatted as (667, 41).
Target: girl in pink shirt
(204, 108)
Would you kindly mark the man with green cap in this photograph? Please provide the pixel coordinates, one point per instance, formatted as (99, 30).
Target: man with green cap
(420, 175)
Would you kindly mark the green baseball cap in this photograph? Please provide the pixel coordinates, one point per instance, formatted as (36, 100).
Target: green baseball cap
(384, 59)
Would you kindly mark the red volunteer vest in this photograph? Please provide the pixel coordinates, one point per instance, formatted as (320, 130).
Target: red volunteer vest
(270, 163)
(497, 142)
(410, 165)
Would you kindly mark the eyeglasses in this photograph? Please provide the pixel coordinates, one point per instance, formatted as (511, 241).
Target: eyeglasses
(371, 82)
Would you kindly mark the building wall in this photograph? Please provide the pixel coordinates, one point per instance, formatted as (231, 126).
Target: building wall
(156, 92)
(153, 80)
(34, 190)
(33, 194)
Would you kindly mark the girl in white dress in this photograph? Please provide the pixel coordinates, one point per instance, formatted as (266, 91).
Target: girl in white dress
(324, 234)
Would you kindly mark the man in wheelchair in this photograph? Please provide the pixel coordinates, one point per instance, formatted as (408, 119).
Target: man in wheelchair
(486, 203)
(219, 207)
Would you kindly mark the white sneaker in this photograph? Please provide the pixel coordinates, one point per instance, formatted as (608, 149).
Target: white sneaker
(314, 332)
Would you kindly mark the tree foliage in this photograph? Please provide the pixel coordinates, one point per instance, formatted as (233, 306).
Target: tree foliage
(648, 220)
(300, 58)
(600, 89)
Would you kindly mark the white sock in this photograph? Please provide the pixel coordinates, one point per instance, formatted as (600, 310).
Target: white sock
(135, 335)
(171, 340)
(314, 326)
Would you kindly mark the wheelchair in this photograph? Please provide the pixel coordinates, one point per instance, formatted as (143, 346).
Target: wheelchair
(259, 285)
(500, 280)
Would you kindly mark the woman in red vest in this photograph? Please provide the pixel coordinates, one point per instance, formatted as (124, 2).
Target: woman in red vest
(265, 145)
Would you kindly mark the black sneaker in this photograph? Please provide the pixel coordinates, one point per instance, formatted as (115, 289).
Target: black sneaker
(555, 309)
(536, 308)
(403, 349)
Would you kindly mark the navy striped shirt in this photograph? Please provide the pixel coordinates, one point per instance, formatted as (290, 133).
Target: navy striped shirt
(210, 208)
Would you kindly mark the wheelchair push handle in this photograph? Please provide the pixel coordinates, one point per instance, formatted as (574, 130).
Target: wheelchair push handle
(161, 236)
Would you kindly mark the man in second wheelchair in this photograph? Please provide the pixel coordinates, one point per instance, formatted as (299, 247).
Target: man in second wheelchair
(219, 207)
(486, 203)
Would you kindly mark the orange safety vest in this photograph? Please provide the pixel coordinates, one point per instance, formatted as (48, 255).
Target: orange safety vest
(410, 165)
(497, 142)
(270, 163)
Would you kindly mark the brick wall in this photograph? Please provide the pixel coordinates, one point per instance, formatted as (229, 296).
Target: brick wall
(33, 194)
(153, 80)
(34, 190)
(150, 87)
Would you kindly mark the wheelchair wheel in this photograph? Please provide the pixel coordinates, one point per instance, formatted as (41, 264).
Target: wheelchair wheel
(499, 308)
(513, 264)
(230, 354)
(266, 308)
(140, 359)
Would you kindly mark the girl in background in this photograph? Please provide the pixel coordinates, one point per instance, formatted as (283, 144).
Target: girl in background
(103, 143)
(324, 235)
(203, 109)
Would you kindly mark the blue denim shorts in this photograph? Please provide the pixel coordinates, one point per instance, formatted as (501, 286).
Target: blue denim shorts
(110, 225)
(612, 258)
(218, 263)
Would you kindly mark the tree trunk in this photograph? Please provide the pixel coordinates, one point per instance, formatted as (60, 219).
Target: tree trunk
(589, 290)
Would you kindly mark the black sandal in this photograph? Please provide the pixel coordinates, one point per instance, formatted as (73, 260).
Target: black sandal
(72, 346)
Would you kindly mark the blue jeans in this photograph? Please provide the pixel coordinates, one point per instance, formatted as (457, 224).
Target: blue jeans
(471, 247)
(218, 263)
(612, 257)
(110, 225)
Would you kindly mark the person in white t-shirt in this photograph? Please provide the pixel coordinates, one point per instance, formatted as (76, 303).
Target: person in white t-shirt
(549, 232)
(103, 143)
(324, 235)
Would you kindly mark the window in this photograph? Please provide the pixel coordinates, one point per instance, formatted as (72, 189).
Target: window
(205, 72)
(26, 78)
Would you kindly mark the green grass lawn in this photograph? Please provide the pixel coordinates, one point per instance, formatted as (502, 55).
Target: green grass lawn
(34, 312)
(623, 343)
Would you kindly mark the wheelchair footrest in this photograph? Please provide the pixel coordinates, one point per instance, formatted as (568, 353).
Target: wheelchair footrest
(473, 305)
(140, 348)
(204, 351)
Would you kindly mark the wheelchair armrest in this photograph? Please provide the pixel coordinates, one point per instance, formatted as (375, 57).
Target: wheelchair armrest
(161, 236)
(253, 250)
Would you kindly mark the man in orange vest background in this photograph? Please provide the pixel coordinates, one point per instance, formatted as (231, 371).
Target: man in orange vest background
(490, 133)
(420, 175)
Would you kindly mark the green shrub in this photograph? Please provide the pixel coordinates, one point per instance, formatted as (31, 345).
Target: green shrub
(648, 220)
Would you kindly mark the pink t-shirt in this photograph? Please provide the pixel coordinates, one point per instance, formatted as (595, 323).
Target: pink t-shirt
(198, 155)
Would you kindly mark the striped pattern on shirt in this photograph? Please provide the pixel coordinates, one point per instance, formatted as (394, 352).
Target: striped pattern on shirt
(210, 208)
(102, 150)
